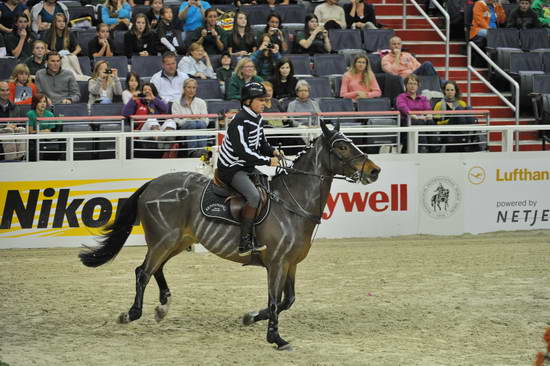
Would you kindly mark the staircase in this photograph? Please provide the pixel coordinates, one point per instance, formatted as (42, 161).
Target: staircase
(422, 40)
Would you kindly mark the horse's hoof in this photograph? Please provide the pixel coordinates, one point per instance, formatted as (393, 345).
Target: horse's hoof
(160, 313)
(248, 318)
(124, 318)
(285, 347)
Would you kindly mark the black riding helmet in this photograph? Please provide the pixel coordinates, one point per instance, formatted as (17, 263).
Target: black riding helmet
(253, 90)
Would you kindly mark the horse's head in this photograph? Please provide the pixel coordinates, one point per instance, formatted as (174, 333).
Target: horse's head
(346, 159)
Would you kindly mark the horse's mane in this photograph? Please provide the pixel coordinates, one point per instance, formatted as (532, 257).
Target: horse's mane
(300, 155)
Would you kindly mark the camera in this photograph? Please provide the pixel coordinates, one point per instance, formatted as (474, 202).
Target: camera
(109, 71)
(270, 45)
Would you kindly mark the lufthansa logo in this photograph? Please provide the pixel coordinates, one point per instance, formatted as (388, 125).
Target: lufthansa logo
(440, 197)
(476, 175)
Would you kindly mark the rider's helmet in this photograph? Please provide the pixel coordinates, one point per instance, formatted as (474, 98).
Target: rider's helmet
(253, 90)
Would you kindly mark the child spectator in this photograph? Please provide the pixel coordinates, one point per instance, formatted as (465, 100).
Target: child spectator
(117, 14)
(37, 61)
(39, 109)
(22, 89)
(104, 84)
(223, 73)
(359, 81)
(167, 33)
(10, 10)
(59, 38)
(19, 42)
(101, 45)
(523, 17)
(133, 87)
(242, 41)
(140, 40)
(153, 15)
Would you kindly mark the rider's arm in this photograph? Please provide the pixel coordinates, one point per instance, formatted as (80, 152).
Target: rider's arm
(238, 138)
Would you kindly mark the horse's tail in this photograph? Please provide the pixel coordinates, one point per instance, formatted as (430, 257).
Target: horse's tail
(115, 235)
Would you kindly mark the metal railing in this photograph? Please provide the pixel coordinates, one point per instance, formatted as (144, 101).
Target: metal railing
(445, 37)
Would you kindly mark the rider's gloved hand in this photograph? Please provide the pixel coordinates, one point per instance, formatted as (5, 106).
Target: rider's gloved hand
(274, 161)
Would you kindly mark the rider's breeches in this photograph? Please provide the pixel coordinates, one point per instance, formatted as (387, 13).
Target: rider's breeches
(242, 183)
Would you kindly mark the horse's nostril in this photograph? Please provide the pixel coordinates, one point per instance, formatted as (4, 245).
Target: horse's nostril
(375, 172)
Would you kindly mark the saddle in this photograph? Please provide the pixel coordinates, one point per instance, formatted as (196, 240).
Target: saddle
(220, 201)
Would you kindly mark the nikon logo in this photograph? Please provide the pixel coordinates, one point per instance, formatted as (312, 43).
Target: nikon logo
(65, 209)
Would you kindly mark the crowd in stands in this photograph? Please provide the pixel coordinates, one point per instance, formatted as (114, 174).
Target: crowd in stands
(49, 53)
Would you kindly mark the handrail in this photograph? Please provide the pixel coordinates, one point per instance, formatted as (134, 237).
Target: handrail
(515, 84)
(445, 37)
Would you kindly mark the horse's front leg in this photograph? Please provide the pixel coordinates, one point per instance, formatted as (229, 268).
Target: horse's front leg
(289, 297)
(276, 280)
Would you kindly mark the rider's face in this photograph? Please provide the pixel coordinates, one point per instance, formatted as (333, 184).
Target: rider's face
(258, 105)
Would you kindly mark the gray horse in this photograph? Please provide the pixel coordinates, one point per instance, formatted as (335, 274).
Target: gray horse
(168, 208)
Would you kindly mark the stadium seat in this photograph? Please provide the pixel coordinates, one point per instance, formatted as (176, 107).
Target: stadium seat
(84, 91)
(320, 87)
(503, 37)
(118, 62)
(209, 89)
(293, 13)
(146, 65)
(118, 42)
(301, 64)
(350, 55)
(534, 39)
(336, 105)
(345, 39)
(71, 110)
(83, 37)
(374, 104)
(256, 14)
(6, 67)
(526, 61)
(80, 11)
(140, 8)
(107, 143)
(22, 109)
(378, 139)
(429, 82)
(85, 66)
(336, 83)
(541, 91)
(376, 39)
(223, 7)
(113, 109)
(329, 64)
(222, 106)
(215, 61)
(375, 63)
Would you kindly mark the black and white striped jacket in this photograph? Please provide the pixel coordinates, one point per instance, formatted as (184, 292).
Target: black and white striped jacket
(244, 146)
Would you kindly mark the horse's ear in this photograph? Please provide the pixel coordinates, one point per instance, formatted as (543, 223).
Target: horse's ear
(337, 126)
(324, 128)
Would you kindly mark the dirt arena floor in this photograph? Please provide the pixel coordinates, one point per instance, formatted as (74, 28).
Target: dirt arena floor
(419, 300)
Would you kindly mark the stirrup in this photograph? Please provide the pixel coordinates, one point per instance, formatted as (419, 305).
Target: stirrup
(258, 248)
(245, 246)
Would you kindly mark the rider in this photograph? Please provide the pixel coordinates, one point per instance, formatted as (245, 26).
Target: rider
(244, 147)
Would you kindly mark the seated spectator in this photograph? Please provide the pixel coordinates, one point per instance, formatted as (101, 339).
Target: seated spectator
(245, 72)
(101, 45)
(189, 103)
(117, 14)
(37, 61)
(411, 101)
(192, 14)
(314, 39)
(359, 81)
(272, 105)
(133, 87)
(212, 37)
(7, 107)
(139, 40)
(10, 149)
(241, 41)
(540, 7)
(57, 84)
(284, 81)
(39, 109)
(19, 42)
(302, 103)
(223, 73)
(10, 10)
(167, 33)
(42, 14)
(153, 15)
(274, 27)
(147, 102)
(523, 17)
(194, 66)
(360, 14)
(169, 81)
(265, 57)
(59, 38)
(486, 15)
(22, 89)
(402, 63)
(104, 84)
(331, 15)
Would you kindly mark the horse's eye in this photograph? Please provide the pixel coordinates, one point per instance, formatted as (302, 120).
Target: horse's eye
(343, 147)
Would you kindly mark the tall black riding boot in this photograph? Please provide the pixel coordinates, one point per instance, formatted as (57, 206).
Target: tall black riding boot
(247, 244)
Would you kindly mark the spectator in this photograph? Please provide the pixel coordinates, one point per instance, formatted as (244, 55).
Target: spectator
(10, 149)
(57, 84)
(189, 103)
(542, 9)
(153, 147)
(116, 14)
(167, 33)
(140, 40)
(242, 41)
(22, 89)
(486, 15)
(42, 14)
(146, 103)
(59, 38)
(192, 14)
(303, 103)
(212, 37)
(37, 61)
(402, 63)
(10, 10)
(360, 14)
(223, 73)
(523, 17)
(7, 108)
(274, 27)
(411, 101)
(314, 39)
(284, 81)
(265, 57)
(153, 15)
(331, 15)
(169, 80)
(39, 109)
(3, 51)
(104, 84)
(194, 66)
(133, 87)
(245, 72)
(101, 45)
(272, 105)
(19, 42)
(359, 81)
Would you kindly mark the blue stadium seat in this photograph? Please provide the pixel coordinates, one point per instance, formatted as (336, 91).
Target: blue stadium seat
(222, 106)
(256, 14)
(84, 91)
(82, 147)
(345, 39)
(374, 104)
(85, 66)
(118, 42)
(534, 39)
(319, 87)
(83, 37)
(336, 105)
(71, 110)
(301, 63)
(329, 64)
(113, 109)
(293, 13)
(209, 89)
(146, 65)
(6, 67)
(118, 62)
(376, 39)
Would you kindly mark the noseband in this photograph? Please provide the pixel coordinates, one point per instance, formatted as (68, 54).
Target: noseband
(346, 162)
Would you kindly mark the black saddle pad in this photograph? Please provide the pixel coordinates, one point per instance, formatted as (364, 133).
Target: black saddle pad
(213, 206)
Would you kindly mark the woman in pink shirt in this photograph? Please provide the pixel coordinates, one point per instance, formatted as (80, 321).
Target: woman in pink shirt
(359, 81)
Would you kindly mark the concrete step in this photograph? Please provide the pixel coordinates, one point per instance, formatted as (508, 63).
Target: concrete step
(431, 47)
(476, 87)
(439, 60)
(413, 22)
(417, 34)
(395, 10)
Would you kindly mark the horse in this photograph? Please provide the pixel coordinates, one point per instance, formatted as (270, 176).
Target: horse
(441, 196)
(168, 210)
